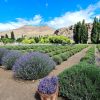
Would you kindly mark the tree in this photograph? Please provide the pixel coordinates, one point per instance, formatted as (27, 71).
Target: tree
(6, 36)
(83, 32)
(76, 32)
(95, 31)
(12, 35)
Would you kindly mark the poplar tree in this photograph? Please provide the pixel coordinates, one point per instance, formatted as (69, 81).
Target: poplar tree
(95, 31)
(83, 33)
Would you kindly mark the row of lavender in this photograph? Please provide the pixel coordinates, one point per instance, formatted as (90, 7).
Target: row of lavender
(33, 65)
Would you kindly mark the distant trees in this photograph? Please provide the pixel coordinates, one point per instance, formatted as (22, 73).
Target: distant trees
(95, 34)
(12, 35)
(80, 32)
(6, 36)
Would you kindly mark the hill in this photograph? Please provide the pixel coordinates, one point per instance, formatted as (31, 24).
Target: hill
(30, 31)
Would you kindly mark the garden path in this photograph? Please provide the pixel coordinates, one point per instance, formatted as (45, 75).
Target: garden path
(11, 89)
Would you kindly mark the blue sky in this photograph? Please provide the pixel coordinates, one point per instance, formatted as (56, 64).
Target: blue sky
(54, 13)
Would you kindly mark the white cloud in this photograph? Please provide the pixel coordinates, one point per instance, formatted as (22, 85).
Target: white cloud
(70, 18)
(37, 20)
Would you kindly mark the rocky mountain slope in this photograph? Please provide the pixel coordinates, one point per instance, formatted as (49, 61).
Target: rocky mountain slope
(30, 31)
(68, 31)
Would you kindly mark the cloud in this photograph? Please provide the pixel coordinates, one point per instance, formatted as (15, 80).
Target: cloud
(70, 18)
(37, 20)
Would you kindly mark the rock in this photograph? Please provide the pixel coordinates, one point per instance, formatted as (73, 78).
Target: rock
(68, 31)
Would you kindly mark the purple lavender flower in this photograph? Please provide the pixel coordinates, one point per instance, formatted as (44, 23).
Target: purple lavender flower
(3, 51)
(48, 85)
(33, 66)
(10, 58)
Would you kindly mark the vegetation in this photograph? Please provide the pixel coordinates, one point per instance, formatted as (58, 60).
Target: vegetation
(81, 82)
(58, 53)
(10, 58)
(95, 34)
(98, 47)
(80, 32)
(48, 85)
(90, 56)
(33, 66)
(3, 52)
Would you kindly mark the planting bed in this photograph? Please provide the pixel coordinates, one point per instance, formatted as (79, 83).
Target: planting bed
(57, 52)
(81, 82)
(27, 87)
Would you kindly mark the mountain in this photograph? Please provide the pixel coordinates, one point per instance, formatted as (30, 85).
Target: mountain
(30, 31)
(68, 31)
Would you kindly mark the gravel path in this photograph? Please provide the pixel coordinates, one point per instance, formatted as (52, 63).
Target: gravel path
(11, 89)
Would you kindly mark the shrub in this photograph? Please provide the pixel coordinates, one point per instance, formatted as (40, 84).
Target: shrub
(81, 82)
(33, 66)
(28, 41)
(9, 59)
(3, 51)
(90, 56)
(48, 85)
(57, 59)
(63, 56)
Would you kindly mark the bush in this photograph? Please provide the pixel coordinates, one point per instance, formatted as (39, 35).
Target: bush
(90, 56)
(9, 59)
(33, 66)
(63, 56)
(48, 85)
(3, 51)
(81, 82)
(7, 40)
(57, 59)
(28, 41)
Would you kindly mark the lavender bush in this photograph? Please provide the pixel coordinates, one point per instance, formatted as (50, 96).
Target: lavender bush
(9, 59)
(3, 51)
(33, 66)
(48, 85)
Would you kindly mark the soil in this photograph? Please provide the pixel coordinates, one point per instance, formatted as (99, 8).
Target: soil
(14, 89)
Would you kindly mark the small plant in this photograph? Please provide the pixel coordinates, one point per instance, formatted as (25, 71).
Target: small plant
(33, 66)
(10, 58)
(57, 59)
(3, 51)
(48, 85)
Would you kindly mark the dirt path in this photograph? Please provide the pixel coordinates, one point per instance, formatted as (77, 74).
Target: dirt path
(97, 57)
(11, 89)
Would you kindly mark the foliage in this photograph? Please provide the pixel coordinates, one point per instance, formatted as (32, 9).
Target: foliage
(59, 39)
(12, 35)
(76, 32)
(28, 41)
(48, 85)
(83, 33)
(57, 59)
(19, 40)
(81, 82)
(90, 56)
(3, 51)
(33, 66)
(80, 32)
(10, 58)
(7, 40)
(95, 34)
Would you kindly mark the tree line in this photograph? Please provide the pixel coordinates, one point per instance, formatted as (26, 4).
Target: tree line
(81, 32)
